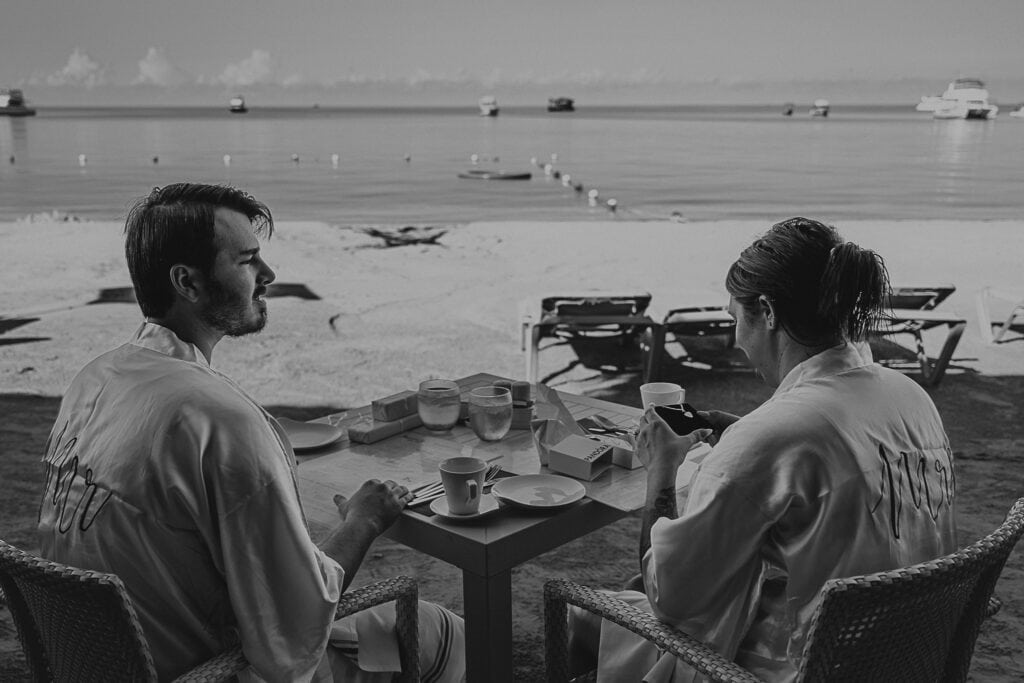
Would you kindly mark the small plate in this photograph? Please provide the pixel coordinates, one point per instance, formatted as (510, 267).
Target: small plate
(487, 505)
(538, 491)
(306, 436)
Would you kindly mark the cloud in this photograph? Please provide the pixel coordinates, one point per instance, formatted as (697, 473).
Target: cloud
(80, 70)
(155, 69)
(256, 69)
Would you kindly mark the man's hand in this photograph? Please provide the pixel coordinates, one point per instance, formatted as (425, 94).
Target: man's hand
(376, 503)
(364, 517)
(658, 447)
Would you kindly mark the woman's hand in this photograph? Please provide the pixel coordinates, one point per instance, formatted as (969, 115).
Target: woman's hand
(658, 447)
(719, 420)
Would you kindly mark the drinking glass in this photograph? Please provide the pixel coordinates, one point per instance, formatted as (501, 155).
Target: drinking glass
(490, 412)
(438, 404)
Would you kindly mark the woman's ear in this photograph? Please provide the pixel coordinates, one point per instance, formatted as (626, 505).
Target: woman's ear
(767, 310)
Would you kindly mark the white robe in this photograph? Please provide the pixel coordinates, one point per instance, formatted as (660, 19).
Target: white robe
(845, 470)
(163, 471)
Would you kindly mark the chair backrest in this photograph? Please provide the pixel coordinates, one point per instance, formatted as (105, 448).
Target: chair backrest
(74, 624)
(916, 623)
(595, 305)
(924, 298)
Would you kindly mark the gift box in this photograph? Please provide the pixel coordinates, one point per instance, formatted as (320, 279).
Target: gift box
(394, 407)
(369, 430)
(580, 457)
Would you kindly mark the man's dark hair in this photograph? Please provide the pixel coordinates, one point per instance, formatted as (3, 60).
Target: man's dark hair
(175, 224)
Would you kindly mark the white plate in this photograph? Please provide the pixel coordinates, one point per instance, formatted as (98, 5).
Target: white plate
(487, 505)
(538, 491)
(308, 435)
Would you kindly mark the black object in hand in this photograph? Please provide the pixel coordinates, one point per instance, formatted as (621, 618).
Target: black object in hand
(683, 419)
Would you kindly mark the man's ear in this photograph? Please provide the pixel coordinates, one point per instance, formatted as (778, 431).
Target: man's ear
(186, 281)
(768, 311)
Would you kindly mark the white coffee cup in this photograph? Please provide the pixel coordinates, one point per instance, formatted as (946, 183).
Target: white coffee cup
(463, 480)
(661, 394)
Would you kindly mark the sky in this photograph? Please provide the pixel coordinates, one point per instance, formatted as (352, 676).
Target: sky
(436, 52)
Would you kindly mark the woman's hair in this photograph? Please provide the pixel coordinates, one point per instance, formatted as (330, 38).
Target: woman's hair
(823, 289)
(175, 224)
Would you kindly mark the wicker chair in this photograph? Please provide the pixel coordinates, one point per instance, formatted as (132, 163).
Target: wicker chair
(80, 625)
(917, 623)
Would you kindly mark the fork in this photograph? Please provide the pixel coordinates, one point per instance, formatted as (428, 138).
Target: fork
(432, 490)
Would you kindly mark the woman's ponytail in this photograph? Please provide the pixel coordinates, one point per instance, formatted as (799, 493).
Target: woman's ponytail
(853, 292)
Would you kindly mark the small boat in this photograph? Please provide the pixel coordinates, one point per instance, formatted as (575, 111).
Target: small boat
(965, 98)
(237, 105)
(1018, 112)
(561, 104)
(12, 103)
(820, 108)
(483, 174)
(488, 106)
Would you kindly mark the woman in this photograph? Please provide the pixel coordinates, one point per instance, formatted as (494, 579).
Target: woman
(845, 470)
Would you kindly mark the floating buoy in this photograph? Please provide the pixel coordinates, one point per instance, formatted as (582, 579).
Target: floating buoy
(556, 174)
(156, 160)
(548, 169)
(474, 158)
(82, 160)
(295, 158)
(12, 159)
(612, 205)
(227, 159)
(533, 161)
(408, 158)
(334, 160)
(592, 197)
(554, 158)
(578, 187)
(566, 179)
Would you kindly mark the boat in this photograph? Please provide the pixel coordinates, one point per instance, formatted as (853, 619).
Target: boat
(820, 108)
(482, 174)
(561, 104)
(965, 98)
(12, 103)
(237, 105)
(488, 106)
(1018, 112)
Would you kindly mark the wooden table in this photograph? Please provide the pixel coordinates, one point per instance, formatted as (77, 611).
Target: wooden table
(485, 550)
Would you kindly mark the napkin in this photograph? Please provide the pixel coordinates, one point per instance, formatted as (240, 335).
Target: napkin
(552, 422)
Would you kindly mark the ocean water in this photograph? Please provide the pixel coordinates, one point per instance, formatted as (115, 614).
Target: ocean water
(401, 166)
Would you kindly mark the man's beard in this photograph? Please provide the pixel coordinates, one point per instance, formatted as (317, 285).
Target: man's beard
(231, 314)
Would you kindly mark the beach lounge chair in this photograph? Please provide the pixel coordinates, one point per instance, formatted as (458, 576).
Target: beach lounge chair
(994, 332)
(918, 623)
(80, 625)
(704, 335)
(912, 311)
(608, 332)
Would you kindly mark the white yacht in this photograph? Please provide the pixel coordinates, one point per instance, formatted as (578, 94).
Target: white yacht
(821, 108)
(1018, 112)
(488, 106)
(965, 98)
(237, 105)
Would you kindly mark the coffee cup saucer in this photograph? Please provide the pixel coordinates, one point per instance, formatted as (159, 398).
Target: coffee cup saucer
(488, 505)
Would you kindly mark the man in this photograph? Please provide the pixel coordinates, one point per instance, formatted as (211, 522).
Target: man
(165, 472)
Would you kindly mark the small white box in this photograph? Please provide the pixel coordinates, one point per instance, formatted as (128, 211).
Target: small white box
(580, 457)
(623, 451)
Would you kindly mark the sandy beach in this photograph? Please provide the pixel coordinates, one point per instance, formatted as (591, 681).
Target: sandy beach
(389, 317)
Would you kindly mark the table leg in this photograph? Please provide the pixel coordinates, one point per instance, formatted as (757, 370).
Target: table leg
(488, 608)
